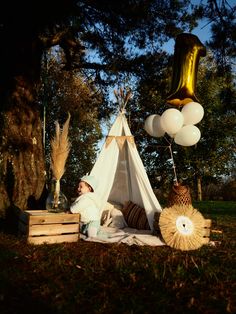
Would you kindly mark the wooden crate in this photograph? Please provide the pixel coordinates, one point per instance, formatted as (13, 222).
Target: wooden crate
(40, 226)
(207, 231)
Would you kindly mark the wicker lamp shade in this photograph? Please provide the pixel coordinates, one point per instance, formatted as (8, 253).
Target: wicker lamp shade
(179, 195)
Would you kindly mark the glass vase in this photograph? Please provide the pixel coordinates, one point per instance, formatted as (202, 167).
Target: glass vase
(56, 201)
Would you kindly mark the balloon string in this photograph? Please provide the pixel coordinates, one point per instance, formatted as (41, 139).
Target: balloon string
(173, 164)
(172, 158)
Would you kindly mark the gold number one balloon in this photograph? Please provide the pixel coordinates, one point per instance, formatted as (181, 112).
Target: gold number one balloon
(188, 50)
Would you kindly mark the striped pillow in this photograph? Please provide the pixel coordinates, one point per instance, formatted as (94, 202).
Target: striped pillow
(135, 216)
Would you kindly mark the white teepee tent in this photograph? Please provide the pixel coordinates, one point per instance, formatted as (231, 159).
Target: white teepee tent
(121, 173)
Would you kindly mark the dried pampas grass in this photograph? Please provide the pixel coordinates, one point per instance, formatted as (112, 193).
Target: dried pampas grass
(183, 227)
(60, 148)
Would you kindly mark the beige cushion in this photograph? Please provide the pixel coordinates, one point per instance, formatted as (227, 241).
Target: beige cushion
(118, 220)
(135, 216)
(112, 213)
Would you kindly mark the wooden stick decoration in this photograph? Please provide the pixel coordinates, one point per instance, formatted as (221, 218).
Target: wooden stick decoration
(122, 97)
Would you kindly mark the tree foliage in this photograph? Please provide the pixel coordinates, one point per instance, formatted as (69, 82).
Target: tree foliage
(222, 18)
(213, 157)
(67, 91)
(216, 91)
(101, 39)
(106, 42)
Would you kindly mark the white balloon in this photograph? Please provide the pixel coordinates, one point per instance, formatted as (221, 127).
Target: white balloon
(156, 125)
(148, 125)
(188, 135)
(193, 113)
(172, 121)
(152, 125)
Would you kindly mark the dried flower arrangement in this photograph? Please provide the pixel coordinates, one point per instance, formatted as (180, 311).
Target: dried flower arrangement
(60, 148)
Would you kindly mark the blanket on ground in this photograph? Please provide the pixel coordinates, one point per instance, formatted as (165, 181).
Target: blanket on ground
(126, 235)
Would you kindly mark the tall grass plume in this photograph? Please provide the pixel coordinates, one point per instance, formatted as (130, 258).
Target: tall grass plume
(60, 148)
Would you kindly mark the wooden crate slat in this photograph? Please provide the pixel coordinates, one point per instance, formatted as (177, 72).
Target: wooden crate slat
(207, 232)
(24, 214)
(44, 217)
(54, 239)
(53, 229)
(53, 218)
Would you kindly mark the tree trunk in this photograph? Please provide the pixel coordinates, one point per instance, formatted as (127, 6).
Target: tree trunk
(199, 189)
(23, 162)
(22, 165)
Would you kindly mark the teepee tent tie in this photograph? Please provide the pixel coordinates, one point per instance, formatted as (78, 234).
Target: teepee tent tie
(120, 140)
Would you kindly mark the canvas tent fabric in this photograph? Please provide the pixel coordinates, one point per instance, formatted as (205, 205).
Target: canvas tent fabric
(121, 173)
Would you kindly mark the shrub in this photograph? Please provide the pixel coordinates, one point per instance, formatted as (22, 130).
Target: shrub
(228, 191)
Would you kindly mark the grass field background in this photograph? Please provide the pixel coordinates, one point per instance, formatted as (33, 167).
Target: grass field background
(88, 277)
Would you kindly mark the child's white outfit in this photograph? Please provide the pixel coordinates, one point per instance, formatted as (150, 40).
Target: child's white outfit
(88, 206)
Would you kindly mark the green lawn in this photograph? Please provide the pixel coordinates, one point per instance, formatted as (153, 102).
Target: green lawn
(88, 277)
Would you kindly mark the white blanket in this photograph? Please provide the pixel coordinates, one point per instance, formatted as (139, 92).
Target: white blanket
(127, 235)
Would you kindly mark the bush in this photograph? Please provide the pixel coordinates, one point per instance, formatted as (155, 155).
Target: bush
(228, 191)
(212, 191)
